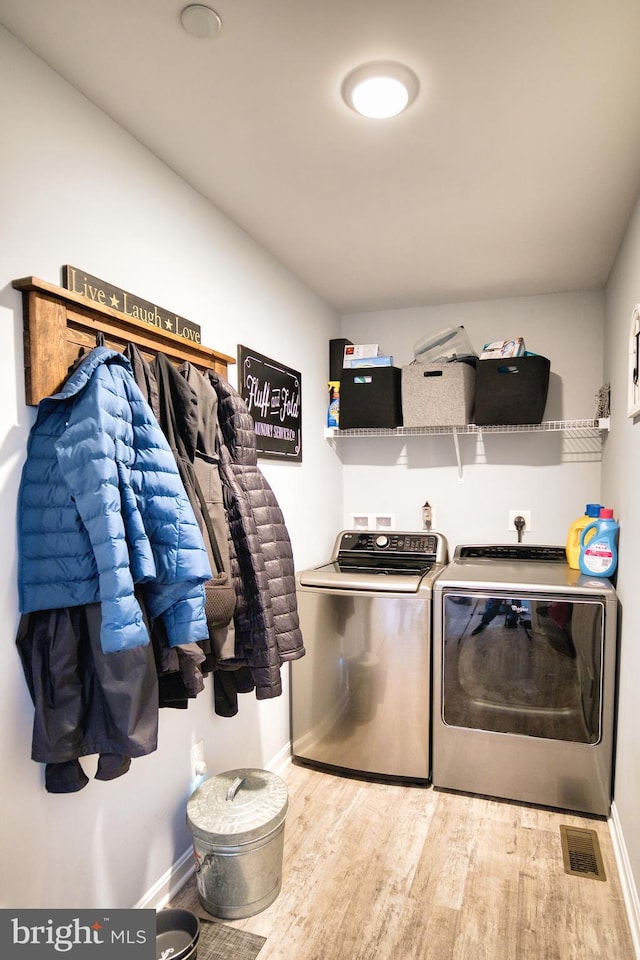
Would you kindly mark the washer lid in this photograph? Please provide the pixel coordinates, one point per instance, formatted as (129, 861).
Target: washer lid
(338, 576)
(237, 806)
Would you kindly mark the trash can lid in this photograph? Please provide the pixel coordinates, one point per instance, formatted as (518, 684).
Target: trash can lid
(237, 806)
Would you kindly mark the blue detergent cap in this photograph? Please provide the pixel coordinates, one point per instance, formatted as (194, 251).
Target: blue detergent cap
(593, 509)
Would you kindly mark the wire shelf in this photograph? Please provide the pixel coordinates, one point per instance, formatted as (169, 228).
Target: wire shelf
(587, 428)
(581, 439)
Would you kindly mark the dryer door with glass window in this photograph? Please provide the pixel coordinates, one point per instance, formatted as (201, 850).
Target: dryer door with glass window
(528, 664)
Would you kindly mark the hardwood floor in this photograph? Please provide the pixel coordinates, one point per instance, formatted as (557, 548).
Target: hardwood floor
(386, 872)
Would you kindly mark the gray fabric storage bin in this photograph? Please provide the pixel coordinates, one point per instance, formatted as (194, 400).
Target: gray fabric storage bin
(438, 394)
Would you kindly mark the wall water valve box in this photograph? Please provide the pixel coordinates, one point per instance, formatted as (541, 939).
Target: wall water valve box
(438, 394)
(511, 391)
(371, 397)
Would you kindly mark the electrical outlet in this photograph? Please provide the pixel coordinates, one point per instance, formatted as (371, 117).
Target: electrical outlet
(198, 763)
(526, 514)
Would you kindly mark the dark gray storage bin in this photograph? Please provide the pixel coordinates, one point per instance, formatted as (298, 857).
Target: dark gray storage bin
(336, 357)
(511, 390)
(371, 397)
(438, 394)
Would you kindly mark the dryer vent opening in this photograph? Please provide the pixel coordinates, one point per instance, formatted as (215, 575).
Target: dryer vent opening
(581, 853)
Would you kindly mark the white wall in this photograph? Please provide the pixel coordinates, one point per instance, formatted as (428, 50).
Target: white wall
(621, 473)
(76, 189)
(550, 476)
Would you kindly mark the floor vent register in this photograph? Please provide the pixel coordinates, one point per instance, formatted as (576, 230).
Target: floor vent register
(581, 853)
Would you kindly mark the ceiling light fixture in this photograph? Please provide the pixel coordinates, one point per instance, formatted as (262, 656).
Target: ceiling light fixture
(200, 21)
(381, 89)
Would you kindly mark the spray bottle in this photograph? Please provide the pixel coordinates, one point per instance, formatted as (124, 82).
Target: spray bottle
(333, 413)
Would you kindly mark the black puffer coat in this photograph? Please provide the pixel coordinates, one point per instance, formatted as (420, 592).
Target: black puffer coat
(266, 620)
(180, 669)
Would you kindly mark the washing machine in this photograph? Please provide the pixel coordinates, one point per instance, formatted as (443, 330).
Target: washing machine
(360, 697)
(524, 678)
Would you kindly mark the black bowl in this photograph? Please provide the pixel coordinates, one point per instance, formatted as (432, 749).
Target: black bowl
(177, 933)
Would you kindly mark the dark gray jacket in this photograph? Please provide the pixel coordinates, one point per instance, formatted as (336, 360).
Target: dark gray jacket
(266, 621)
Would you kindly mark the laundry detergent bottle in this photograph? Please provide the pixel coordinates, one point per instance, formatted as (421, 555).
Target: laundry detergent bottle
(598, 550)
(591, 512)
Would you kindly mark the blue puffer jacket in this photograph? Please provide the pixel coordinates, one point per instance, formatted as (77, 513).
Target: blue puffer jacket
(102, 508)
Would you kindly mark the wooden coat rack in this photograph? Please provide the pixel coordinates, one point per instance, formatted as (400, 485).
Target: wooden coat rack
(59, 324)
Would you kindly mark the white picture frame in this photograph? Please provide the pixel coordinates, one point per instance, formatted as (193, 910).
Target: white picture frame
(633, 377)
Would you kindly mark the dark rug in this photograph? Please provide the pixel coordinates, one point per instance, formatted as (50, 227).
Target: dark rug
(218, 941)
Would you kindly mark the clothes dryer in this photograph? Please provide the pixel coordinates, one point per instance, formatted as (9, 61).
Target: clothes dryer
(524, 678)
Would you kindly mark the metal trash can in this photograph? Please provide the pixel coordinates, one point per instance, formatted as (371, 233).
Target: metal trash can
(237, 822)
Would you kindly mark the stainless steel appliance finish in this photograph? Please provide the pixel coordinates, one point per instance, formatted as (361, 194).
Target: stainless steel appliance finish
(360, 696)
(524, 678)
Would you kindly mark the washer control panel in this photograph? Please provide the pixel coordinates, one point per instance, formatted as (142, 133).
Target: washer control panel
(391, 542)
(368, 549)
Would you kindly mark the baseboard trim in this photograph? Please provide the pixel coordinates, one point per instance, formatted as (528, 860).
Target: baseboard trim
(629, 889)
(281, 761)
(168, 885)
(164, 889)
